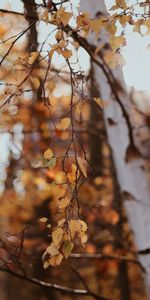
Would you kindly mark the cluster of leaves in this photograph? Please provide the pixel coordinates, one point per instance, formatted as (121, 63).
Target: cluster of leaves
(73, 164)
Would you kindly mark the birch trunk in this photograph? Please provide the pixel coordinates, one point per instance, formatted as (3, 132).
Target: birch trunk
(131, 175)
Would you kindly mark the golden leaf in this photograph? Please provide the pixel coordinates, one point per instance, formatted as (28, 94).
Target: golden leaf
(48, 154)
(52, 250)
(51, 85)
(36, 82)
(72, 174)
(82, 166)
(65, 17)
(64, 203)
(124, 19)
(57, 236)
(121, 4)
(61, 222)
(83, 225)
(79, 227)
(111, 28)
(74, 226)
(96, 25)
(56, 260)
(66, 53)
(33, 57)
(116, 42)
(64, 123)
(67, 248)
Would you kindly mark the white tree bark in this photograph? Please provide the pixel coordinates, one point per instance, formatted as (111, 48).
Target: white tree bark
(132, 178)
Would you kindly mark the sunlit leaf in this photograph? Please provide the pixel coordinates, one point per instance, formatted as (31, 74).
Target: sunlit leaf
(52, 249)
(57, 236)
(64, 124)
(64, 203)
(48, 154)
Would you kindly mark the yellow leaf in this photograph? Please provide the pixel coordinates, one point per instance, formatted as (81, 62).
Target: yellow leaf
(83, 225)
(64, 123)
(48, 154)
(83, 235)
(83, 238)
(64, 203)
(82, 166)
(57, 236)
(33, 57)
(124, 19)
(56, 260)
(111, 28)
(96, 25)
(65, 17)
(67, 248)
(51, 85)
(74, 226)
(72, 174)
(35, 82)
(79, 227)
(52, 250)
(116, 42)
(61, 222)
(121, 4)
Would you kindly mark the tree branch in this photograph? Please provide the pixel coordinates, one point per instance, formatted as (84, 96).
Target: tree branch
(108, 256)
(57, 287)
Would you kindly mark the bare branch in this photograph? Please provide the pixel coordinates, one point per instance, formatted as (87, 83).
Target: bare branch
(108, 256)
(57, 287)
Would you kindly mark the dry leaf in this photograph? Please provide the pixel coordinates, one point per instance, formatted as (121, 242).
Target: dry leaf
(48, 154)
(57, 236)
(82, 166)
(64, 203)
(36, 82)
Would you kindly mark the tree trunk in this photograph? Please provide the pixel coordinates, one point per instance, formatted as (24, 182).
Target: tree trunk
(131, 175)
